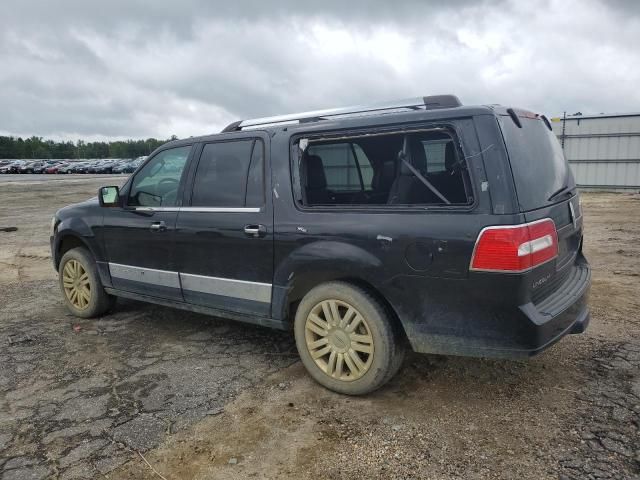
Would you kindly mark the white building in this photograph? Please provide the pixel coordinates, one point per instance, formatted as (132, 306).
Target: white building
(603, 150)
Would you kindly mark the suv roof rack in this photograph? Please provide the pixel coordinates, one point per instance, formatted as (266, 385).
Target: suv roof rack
(419, 103)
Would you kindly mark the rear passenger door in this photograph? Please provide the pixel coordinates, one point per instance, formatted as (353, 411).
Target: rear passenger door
(224, 230)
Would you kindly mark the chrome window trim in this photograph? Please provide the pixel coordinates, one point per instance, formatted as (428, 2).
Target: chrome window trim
(221, 209)
(156, 209)
(201, 209)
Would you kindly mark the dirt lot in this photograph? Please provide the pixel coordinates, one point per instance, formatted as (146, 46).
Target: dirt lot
(199, 397)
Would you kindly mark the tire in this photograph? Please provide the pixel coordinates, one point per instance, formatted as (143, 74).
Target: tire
(364, 328)
(77, 272)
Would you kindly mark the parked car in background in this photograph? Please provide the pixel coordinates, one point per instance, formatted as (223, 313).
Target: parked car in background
(4, 166)
(80, 167)
(127, 166)
(94, 166)
(102, 166)
(12, 167)
(54, 168)
(66, 168)
(32, 167)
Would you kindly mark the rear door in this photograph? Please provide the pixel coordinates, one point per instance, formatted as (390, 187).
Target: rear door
(224, 231)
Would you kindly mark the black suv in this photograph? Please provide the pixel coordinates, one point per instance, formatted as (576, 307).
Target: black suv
(451, 229)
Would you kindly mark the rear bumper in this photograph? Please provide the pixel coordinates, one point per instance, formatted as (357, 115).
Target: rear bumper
(518, 332)
(563, 312)
(581, 324)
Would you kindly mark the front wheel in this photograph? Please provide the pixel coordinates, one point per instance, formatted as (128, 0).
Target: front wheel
(81, 286)
(346, 339)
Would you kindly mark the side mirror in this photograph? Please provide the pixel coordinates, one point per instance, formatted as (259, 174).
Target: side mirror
(109, 196)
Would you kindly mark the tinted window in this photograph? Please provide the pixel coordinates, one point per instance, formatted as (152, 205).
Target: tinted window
(340, 168)
(435, 153)
(221, 177)
(421, 168)
(365, 166)
(156, 184)
(537, 162)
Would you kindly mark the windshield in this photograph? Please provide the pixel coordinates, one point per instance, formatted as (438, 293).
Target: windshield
(537, 162)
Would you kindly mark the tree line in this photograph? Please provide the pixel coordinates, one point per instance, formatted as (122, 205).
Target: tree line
(36, 147)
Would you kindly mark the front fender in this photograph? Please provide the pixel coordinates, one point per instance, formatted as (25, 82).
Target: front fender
(315, 263)
(78, 228)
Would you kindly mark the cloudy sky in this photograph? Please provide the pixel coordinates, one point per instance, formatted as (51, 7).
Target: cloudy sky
(90, 69)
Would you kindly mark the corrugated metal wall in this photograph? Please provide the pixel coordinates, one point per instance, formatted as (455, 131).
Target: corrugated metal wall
(603, 150)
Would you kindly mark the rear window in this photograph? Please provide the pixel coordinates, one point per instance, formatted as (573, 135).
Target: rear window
(537, 161)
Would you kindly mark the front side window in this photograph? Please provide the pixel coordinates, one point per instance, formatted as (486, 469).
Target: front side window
(230, 174)
(416, 168)
(156, 184)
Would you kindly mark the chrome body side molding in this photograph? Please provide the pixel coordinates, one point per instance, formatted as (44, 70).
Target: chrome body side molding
(145, 275)
(225, 287)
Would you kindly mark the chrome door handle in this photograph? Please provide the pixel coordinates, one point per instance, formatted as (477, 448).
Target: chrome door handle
(158, 227)
(255, 230)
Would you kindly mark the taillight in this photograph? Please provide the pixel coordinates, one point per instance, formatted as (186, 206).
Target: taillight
(515, 248)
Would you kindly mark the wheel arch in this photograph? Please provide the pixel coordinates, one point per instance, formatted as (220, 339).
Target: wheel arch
(292, 300)
(66, 242)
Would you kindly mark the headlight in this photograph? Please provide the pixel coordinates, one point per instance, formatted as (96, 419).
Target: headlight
(54, 224)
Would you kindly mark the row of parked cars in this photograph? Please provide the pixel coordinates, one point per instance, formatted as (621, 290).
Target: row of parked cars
(70, 166)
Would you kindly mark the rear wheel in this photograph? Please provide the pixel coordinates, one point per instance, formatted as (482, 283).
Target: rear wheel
(346, 339)
(81, 286)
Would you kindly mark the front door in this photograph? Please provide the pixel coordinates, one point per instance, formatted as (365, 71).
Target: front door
(139, 236)
(224, 231)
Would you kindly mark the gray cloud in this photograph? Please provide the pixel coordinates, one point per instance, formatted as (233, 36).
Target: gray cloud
(77, 69)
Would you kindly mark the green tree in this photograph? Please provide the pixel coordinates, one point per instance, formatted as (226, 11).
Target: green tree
(36, 147)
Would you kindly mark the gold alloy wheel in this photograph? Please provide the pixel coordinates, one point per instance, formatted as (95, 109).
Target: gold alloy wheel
(76, 284)
(339, 340)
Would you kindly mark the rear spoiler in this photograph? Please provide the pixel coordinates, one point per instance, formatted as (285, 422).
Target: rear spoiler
(517, 114)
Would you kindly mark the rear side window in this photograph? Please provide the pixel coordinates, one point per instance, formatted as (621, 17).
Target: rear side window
(537, 161)
(345, 165)
(230, 174)
(415, 168)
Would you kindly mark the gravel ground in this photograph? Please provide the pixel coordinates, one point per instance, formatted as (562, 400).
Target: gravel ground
(200, 397)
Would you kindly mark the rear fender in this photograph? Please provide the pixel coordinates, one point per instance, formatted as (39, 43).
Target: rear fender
(316, 263)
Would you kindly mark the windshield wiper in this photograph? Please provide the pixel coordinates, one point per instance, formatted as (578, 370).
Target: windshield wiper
(561, 191)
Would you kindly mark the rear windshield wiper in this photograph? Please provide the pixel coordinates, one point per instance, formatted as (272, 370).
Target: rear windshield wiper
(561, 191)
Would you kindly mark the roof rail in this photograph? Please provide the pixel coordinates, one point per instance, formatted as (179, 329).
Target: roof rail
(419, 103)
